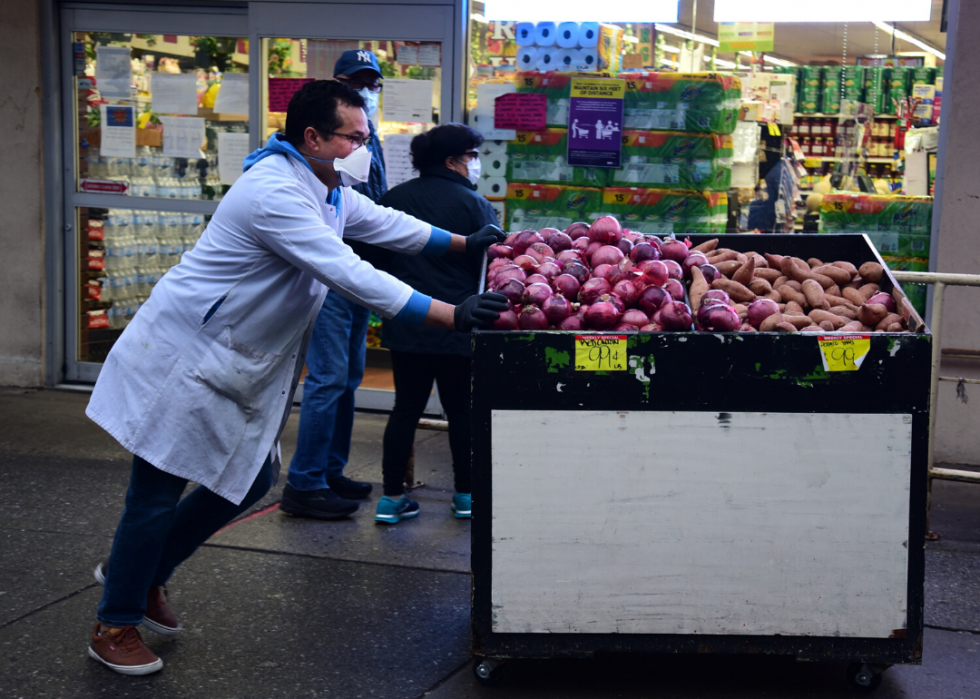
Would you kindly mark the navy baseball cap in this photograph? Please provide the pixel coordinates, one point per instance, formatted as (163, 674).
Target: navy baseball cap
(354, 60)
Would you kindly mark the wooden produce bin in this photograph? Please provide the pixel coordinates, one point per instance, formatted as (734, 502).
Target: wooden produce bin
(722, 494)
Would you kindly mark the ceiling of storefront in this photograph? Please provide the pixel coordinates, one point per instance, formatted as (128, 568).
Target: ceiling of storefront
(804, 43)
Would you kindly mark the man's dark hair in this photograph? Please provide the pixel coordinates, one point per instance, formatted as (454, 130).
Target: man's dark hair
(315, 104)
(431, 148)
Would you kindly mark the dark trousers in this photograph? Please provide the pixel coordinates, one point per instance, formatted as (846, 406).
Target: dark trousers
(414, 374)
(159, 531)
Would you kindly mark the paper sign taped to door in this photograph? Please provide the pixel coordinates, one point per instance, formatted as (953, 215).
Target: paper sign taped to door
(281, 90)
(521, 111)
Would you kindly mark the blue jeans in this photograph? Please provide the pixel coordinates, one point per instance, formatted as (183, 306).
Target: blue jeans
(159, 531)
(335, 361)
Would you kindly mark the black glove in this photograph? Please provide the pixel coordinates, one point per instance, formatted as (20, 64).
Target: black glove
(479, 311)
(477, 244)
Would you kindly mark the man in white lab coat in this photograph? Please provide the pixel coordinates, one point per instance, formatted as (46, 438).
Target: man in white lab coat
(200, 384)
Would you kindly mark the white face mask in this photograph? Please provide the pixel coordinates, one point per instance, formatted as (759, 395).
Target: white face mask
(370, 101)
(354, 169)
(473, 169)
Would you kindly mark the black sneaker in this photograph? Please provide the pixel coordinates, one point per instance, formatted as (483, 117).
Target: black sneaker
(351, 490)
(319, 504)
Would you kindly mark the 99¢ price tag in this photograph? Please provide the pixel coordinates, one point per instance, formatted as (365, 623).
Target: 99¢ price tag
(600, 353)
(843, 352)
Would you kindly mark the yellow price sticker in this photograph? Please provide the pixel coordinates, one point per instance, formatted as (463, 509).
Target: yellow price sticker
(600, 353)
(843, 352)
(774, 129)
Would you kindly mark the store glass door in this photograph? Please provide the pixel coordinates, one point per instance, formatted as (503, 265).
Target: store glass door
(415, 48)
(152, 99)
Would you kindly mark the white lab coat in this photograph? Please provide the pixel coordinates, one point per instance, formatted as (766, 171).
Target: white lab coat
(208, 401)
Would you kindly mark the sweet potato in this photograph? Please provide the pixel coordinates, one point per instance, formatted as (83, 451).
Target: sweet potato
(729, 267)
(871, 272)
(789, 267)
(782, 279)
(812, 329)
(794, 285)
(814, 295)
(824, 281)
(706, 246)
(855, 326)
(855, 283)
(888, 320)
(847, 267)
(790, 294)
(818, 316)
(741, 257)
(760, 261)
(854, 296)
(769, 324)
(737, 292)
(836, 300)
(794, 308)
(872, 313)
(844, 312)
(743, 275)
(827, 325)
(814, 263)
(798, 322)
(833, 290)
(895, 328)
(699, 285)
(774, 296)
(774, 260)
(869, 290)
(722, 255)
(770, 275)
(785, 328)
(759, 287)
(836, 273)
(746, 328)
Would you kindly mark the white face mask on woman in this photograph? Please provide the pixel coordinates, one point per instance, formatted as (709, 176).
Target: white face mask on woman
(473, 170)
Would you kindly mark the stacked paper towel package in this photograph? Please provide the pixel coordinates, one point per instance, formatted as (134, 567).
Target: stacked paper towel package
(548, 46)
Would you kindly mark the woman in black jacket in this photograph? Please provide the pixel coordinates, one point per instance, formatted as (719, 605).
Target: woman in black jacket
(444, 195)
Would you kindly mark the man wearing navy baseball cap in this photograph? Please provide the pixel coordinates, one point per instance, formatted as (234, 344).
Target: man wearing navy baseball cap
(316, 486)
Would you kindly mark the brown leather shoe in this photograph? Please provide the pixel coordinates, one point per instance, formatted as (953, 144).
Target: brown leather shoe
(123, 650)
(159, 616)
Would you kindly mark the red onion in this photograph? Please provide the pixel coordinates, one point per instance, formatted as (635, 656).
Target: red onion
(593, 289)
(626, 290)
(532, 318)
(525, 239)
(657, 319)
(601, 271)
(761, 309)
(674, 270)
(556, 309)
(498, 263)
(558, 241)
(632, 236)
(695, 258)
(625, 328)
(549, 270)
(605, 229)
(655, 272)
(547, 233)
(540, 251)
(513, 289)
(577, 230)
(710, 272)
(625, 245)
(537, 279)
(675, 289)
(614, 300)
(634, 316)
(509, 272)
(885, 299)
(580, 309)
(581, 244)
(566, 285)
(715, 296)
(590, 251)
(651, 328)
(580, 272)
(606, 255)
(644, 251)
(652, 298)
(569, 256)
(526, 262)
(509, 240)
(673, 249)
(498, 250)
(571, 323)
(506, 321)
(719, 318)
(601, 315)
(675, 315)
(536, 294)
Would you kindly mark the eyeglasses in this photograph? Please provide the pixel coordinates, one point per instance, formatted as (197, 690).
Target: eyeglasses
(471, 153)
(374, 86)
(355, 141)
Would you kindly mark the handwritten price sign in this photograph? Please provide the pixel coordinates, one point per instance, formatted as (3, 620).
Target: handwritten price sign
(843, 352)
(600, 353)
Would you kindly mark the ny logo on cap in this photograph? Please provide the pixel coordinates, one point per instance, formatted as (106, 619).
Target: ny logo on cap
(364, 56)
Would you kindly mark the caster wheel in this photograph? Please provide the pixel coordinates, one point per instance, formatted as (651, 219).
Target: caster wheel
(488, 672)
(862, 678)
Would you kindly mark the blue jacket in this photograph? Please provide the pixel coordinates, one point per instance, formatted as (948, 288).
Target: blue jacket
(375, 188)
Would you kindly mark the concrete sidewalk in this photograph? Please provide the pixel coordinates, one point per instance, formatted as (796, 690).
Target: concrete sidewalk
(275, 606)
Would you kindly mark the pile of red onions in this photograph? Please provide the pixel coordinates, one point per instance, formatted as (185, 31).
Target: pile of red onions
(596, 276)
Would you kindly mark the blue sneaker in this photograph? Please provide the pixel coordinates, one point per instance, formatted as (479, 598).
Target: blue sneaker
(462, 504)
(391, 511)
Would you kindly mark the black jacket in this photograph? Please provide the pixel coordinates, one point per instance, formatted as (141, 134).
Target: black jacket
(446, 200)
(374, 189)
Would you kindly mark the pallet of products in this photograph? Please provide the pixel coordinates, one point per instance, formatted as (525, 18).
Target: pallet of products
(549, 205)
(693, 102)
(666, 211)
(557, 89)
(670, 159)
(542, 157)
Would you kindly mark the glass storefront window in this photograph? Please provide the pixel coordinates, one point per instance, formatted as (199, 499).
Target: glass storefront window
(123, 253)
(143, 85)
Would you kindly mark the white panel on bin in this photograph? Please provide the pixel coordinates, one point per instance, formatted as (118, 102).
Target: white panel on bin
(700, 523)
